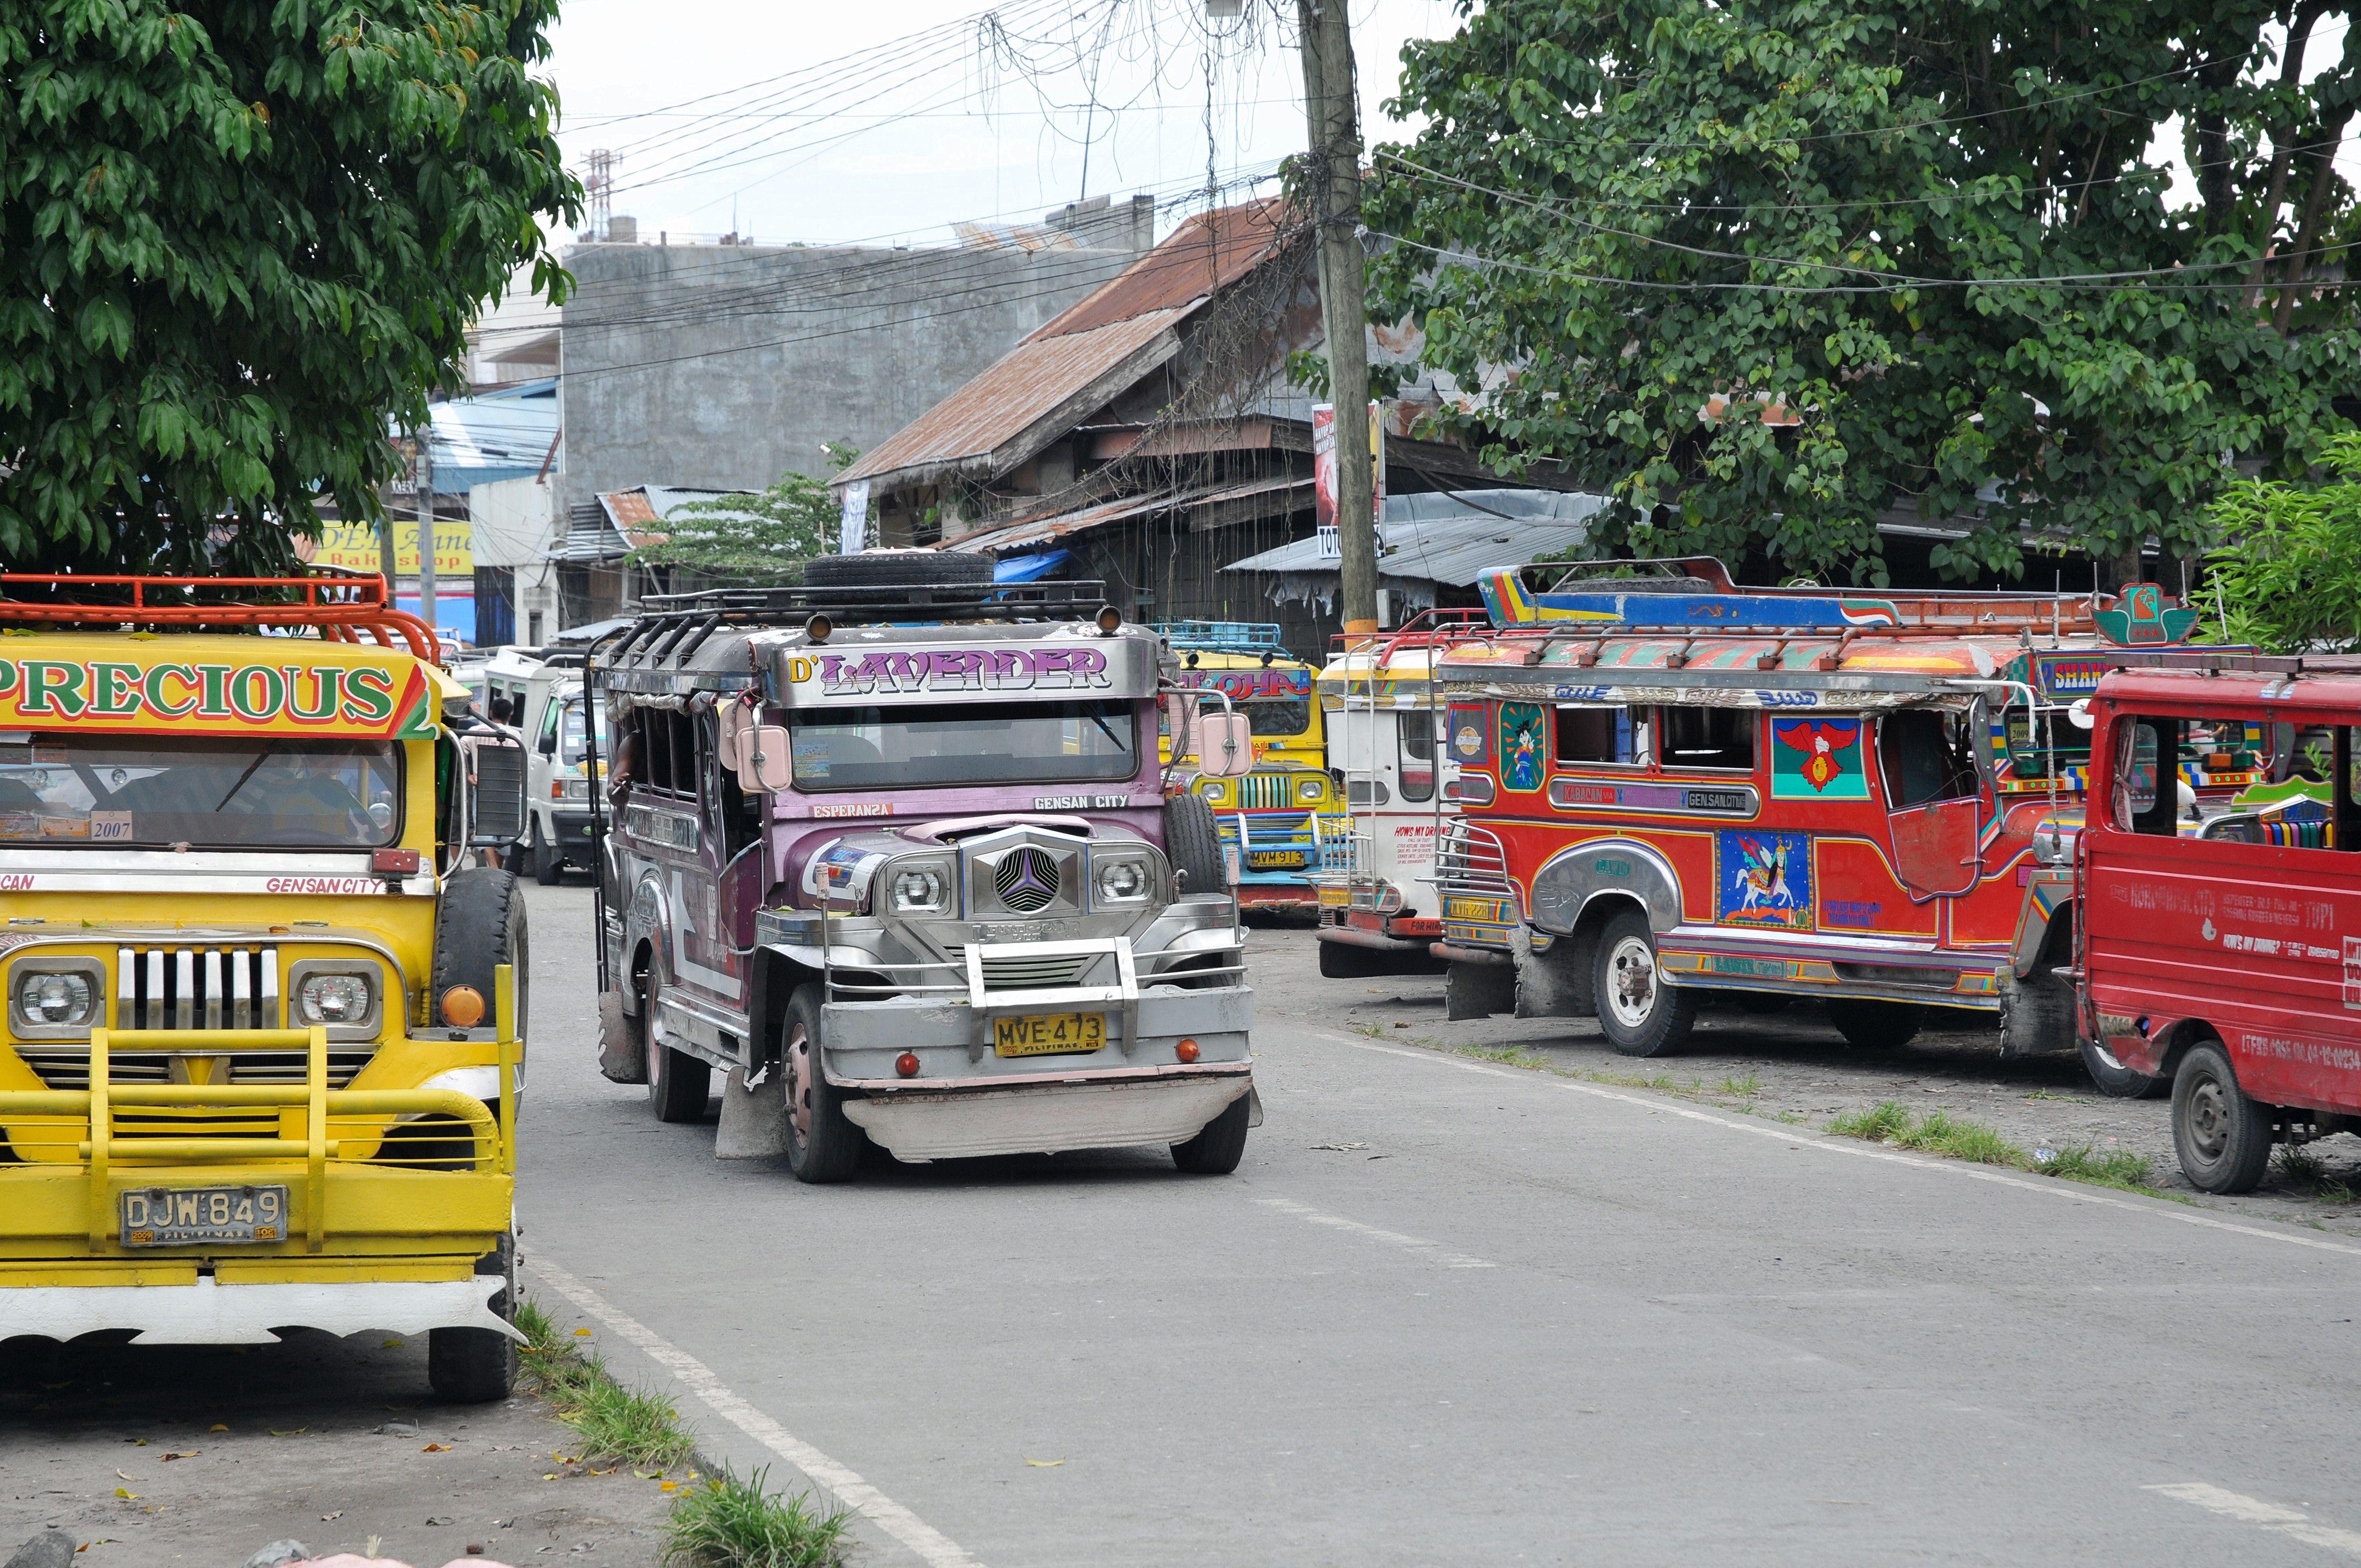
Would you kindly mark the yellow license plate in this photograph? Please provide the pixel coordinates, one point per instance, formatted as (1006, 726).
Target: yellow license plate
(183, 1216)
(1279, 857)
(1048, 1034)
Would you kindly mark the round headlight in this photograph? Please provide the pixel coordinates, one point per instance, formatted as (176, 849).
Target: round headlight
(1123, 881)
(919, 888)
(55, 998)
(1308, 790)
(333, 999)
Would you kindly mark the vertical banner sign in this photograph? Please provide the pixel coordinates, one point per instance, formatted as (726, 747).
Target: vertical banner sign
(1324, 473)
(854, 536)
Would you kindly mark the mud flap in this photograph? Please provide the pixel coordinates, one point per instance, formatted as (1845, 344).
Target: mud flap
(621, 1059)
(1253, 1106)
(754, 1118)
(1557, 981)
(1478, 990)
(2038, 1017)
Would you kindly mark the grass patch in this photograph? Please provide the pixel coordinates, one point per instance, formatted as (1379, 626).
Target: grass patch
(1880, 1124)
(1374, 1031)
(1940, 1133)
(2299, 1166)
(2109, 1168)
(1745, 1088)
(1509, 1055)
(1894, 1124)
(731, 1523)
(628, 1426)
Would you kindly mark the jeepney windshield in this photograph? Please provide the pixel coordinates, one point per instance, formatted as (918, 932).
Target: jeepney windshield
(69, 790)
(1279, 716)
(994, 742)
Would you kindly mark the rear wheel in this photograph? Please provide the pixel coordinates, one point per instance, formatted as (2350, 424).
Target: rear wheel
(678, 1083)
(2223, 1137)
(823, 1143)
(1641, 1015)
(1877, 1026)
(1219, 1143)
(1192, 842)
(547, 859)
(474, 1366)
(2116, 1080)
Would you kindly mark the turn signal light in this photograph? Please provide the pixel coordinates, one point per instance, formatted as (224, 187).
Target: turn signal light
(463, 1007)
(1186, 1050)
(907, 1064)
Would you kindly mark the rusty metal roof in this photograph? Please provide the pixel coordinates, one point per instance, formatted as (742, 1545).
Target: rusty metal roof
(1103, 344)
(1288, 492)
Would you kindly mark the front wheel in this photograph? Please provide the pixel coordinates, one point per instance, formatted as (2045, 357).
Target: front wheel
(476, 1366)
(2114, 1080)
(823, 1143)
(1220, 1143)
(2223, 1137)
(548, 861)
(1641, 1015)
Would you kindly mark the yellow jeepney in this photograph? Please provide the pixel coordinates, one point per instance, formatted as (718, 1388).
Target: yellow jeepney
(265, 1018)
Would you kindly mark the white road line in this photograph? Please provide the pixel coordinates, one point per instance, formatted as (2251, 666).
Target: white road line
(2290, 1522)
(2049, 1186)
(1391, 1238)
(935, 1549)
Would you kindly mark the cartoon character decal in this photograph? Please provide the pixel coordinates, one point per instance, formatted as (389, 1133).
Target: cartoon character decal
(1817, 758)
(1522, 745)
(1763, 878)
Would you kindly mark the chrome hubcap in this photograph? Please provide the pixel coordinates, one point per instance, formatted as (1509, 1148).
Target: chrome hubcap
(799, 1066)
(1631, 982)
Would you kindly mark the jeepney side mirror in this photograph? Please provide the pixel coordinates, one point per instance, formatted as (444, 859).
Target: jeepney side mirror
(764, 764)
(737, 722)
(1223, 745)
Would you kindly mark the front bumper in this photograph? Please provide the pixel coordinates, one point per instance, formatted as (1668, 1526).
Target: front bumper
(211, 1311)
(1111, 1110)
(569, 831)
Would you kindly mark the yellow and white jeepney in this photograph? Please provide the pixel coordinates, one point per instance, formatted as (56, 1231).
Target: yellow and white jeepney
(264, 1019)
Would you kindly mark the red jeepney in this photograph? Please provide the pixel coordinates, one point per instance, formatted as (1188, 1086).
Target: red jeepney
(2229, 958)
(1672, 786)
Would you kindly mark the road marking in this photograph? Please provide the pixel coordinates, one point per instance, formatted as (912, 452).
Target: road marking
(1391, 1238)
(2049, 1186)
(935, 1549)
(2290, 1522)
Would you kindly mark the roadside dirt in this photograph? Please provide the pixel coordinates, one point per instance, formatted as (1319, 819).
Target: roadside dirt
(176, 1454)
(1793, 1065)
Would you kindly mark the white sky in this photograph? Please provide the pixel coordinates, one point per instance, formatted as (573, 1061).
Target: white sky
(928, 128)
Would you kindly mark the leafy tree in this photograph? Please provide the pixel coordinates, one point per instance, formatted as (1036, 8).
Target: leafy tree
(1816, 213)
(234, 238)
(757, 539)
(2288, 576)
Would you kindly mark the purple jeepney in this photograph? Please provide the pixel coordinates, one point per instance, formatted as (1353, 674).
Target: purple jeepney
(917, 884)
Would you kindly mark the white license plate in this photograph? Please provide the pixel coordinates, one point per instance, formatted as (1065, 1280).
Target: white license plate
(186, 1216)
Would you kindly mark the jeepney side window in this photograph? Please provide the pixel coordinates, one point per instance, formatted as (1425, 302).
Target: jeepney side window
(1416, 727)
(1614, 736)
(1707, 737)
(656, 754)
(683, 742)
(1927, 754)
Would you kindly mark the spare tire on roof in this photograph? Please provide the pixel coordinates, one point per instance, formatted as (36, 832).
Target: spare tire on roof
(876, 575)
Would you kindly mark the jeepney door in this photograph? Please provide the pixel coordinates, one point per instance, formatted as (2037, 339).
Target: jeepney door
(1934, 798)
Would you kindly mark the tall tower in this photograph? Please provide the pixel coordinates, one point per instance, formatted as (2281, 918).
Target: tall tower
(600, 187)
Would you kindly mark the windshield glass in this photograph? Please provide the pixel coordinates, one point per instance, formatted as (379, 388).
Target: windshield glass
(1278, 716)
(280, 791)
(570, 748)
(1003, 742)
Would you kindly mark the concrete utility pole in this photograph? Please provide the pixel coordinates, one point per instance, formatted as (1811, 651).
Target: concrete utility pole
(386, 558)
(427, 607)
(1330, 105)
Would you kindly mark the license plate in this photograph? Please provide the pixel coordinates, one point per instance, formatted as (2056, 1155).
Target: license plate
(182, 1216)
(1048, 1034)
(1275, 857)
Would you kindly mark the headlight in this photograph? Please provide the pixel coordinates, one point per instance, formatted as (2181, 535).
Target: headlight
(1308, 790)
(1127, 881)
(1216, 791)
(921, 890)
(62, 998)
(333, 998)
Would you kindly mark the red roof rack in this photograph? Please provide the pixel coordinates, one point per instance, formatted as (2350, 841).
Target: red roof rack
(342, 607)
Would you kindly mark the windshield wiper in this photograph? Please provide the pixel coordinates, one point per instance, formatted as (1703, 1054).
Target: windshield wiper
(265, 755)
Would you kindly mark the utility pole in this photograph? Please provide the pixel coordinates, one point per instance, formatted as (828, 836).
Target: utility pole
(386, 558)
(427, 607)
(1329, 104)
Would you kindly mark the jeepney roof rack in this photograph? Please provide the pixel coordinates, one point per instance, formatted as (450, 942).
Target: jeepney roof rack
(1252, 638)
(2235, 661)
(671, 627)
(341, 606)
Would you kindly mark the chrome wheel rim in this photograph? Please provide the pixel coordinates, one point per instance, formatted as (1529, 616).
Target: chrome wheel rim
(798, 1055)
(1631, 982)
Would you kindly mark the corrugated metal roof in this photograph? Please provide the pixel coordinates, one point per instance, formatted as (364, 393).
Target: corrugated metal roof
(1100, 344)
(624, 520)
(1039, 530)
(1445, 538)
(1043, 381)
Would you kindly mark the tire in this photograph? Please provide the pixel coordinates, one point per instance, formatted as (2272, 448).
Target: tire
(2118, 1082)
(1219, 1145)
(823, 1144)
(548, 861)
(2223, 1137)
(1349, 961)
(880, 576)
(1192, 842)
(1877, 1026)
(476, 1366)
(1641, 1015)
(478, 926)
(678, 1084)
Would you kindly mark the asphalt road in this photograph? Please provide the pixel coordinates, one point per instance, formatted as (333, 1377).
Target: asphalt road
(1450, 1312)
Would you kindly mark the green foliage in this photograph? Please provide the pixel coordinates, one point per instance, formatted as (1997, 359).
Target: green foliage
(762, 538)
(731, 1523)
(2288, 576)
(1636, 205)
(626, 1425)
(234, 238)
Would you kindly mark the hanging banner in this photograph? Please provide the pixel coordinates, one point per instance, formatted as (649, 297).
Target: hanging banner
(853, 537)
(1324, 474)
(354, 546)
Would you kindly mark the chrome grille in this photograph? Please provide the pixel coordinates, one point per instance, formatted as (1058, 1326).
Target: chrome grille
(1028, 973)
(1471, 860)
(209, 987)
(1026, 880)
(68, 1067)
